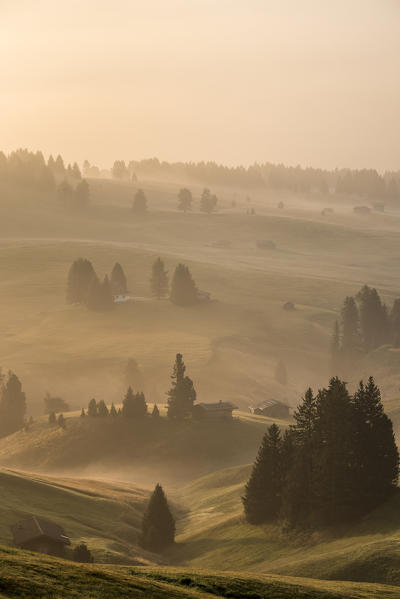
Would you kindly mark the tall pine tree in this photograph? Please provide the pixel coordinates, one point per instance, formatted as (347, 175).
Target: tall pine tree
(182, 394)
(158, 525)
(159, 279)
(183, 287)
(119, 284)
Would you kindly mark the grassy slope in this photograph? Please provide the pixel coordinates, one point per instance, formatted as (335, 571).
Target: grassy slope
(107, 516)
(214, 535)
(24, 575)
(144, 451)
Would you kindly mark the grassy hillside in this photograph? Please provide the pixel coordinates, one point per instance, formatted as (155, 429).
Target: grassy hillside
(105, 515)
(28, 575)
(145, 451)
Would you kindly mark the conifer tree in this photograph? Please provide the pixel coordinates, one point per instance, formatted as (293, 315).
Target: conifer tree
(395, 323)
(134, 405)
(102, 410)
(373, 318)
(263, 493)
(350, 326)
(59, 166)
(182, 394)
(208, 201)
(159, 279)
(113, 411)
(335, 349)
(92, 408)
(52, 418)
(107, 300)
(76, 173)
(185, 200)
(158, 525)
(156, 412)
(12, 406)
(139, 203)
(83, 414)
(80, 277)
(183, 287)
(94, 298)
(61, 421)
(118, 280)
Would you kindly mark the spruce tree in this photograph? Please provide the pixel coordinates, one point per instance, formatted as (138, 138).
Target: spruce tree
(92, 408)
(373, 318)
(263, 492)
(102, 410)
(335, 349)
(80, 277)
(107, 300)
(83, 414)
(350, 326)
(61, 421)
(94, 299)
(159, 279)
(377, 457)
(113, 411)
(139, 206)
(134, 405)
(12, 406)
(52, 418)
(156, 412)
(158, 525)
(395, 323)
(183, 287)
(185, 200)
(182, 394)
(118, 280)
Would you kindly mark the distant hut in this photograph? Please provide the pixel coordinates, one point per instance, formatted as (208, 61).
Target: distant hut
(221, 410)
(289, 306)
(37, 534)
(272, 408)
(362, 210)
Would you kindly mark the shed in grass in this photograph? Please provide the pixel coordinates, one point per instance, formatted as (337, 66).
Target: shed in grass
(273, 409)
(221, 410)
(37, 534)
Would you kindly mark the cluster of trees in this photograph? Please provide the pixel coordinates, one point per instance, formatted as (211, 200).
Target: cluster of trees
(133, 406)
(85, 287)
(183, 290)
(24, 169)
(78, 196)
(365, 324)
(208, 201)
(60, 420)
(12, 404)
(53, 403)
(365, 183)
(158, 524)
(335, 464)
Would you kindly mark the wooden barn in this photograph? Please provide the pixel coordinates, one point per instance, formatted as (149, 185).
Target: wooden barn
(221, 410)
(37, 534)
(273, 409)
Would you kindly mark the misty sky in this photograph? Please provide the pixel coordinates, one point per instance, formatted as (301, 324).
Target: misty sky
(315, 82)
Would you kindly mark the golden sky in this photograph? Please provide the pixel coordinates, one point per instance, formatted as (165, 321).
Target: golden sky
(315, 82)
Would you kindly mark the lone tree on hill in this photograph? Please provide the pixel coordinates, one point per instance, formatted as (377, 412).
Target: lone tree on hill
(139, 202)
(156, 412)
(80, 277)
(158, 525)
(183, 287)
(159, 279)
(262, 499)
(118, 280)
(182, 394)
(185, 200)
(208, 201)
(281, 373)
(134, 405)
(82, 193)
(82, 554)
(92, 408)
(12, 406)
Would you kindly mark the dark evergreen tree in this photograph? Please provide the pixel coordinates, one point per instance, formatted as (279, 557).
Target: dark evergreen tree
(182, 394)
(52, 418)
(281, 373)
(377, 457)
(183, 287)
(335, 349)
(134, 405)
(82, 554)
(350, 326)
(83, 413)
(92, 408)
(65, 192)
(113, 411)
(373, 318)
(118, 280)
(82, 193)
(102, 410)
(61, 421)
(185, 200)
(156, 412)
(76, 173)
(59, 166)
(139, 206)
(158, 525)
(262, 500)
(159, 279)
(80, 277)
(12, 406)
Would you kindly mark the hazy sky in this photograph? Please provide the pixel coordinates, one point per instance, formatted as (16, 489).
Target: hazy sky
(315, 82)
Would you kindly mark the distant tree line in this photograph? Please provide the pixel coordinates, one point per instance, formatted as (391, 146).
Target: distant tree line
(337, 462)
(366, 183)
(365, 324)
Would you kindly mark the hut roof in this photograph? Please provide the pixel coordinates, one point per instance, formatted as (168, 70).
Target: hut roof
(34, 528)
(220, 405)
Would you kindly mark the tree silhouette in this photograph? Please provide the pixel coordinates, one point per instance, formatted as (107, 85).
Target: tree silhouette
(158, 525)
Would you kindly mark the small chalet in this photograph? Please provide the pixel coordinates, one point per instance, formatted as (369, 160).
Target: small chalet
(37, 534)
(273, 409)
(221, 410)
